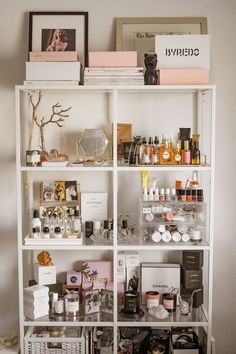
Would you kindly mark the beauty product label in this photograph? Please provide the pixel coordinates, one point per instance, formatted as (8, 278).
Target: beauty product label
(165, 155)
(168, 304)
(152, 302)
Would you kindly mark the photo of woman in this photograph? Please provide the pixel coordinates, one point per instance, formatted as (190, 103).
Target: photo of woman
(58, 40)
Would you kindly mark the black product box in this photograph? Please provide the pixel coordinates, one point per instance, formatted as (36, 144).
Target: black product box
(191, 279)
(192, 260)
(197, 297)
(184, 341)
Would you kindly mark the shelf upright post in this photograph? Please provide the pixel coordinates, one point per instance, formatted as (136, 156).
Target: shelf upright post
(115, 202)
(19, 214)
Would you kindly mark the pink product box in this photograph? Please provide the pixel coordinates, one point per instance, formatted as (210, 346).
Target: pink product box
(73, 278)
(53, 56)
(184, 76)
(97, 272)
(112, 59)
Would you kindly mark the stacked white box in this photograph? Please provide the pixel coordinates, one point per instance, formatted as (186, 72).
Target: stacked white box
(36, 301)
(44, 275)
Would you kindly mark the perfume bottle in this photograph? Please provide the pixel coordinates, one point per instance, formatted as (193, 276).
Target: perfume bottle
(195, 153)
(76, 223)
(105, 231)
(176, 157)
(142, 151)
(110, 232)
(124, 231)
(150, 149)
(36, 222)
(165, 151)
(155, 153)
(186, 153)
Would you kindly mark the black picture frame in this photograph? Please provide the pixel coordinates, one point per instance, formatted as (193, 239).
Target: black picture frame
(38, 20)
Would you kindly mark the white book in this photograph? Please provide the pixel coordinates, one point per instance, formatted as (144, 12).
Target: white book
(54, 163)
(113, 69)
(52, 71)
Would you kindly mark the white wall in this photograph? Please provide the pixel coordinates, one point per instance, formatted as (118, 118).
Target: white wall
(13, 52)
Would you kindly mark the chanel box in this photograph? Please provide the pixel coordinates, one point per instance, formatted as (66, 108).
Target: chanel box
(159, 277)
(191, 279)
(44, 275)
(192, 260)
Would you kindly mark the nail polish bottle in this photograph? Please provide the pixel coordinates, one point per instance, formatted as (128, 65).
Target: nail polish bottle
(162, 195)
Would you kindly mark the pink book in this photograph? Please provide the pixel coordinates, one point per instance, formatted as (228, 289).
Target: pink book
(112, 59)
(53, 56)
(184, 76)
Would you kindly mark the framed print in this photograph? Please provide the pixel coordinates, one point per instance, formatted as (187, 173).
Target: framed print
(107, 301)
(92, 301)
(59, 31)
(138, 33)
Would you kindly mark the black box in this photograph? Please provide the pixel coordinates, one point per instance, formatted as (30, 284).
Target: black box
(192, 260)
(197, 297)
(191, 279)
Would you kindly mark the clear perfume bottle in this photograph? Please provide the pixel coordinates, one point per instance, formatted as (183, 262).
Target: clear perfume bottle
(105, 231)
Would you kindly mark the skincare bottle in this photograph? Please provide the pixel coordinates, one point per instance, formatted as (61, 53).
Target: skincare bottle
(200, 197)
(145, 195)
(194, 195)
(176, 156)
(195, 152)
(165, 151)
(151, 195)
(156, 195)
(186, 153)
(35, 232)
(155, 153)
(167, 195)
(36, 222)
(189, 195)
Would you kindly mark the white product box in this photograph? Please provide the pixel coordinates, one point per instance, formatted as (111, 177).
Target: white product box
(132, 266)
(44, 275)
(36, 291)
(36, 301)
(183, 51)
(53, 70)
(120, 268)
(159, 277)
(93, 206)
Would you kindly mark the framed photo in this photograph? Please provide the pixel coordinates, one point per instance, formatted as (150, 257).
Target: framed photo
(59, 31)
(138, 33)
(107, 301)
(92, 301)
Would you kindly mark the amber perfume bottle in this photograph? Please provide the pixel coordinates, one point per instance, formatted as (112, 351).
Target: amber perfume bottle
(176, 156)
(195, 153)
(165, 151)
(186, 153)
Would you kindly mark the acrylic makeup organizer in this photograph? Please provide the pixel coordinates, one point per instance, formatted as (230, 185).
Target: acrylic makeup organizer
(148, 109)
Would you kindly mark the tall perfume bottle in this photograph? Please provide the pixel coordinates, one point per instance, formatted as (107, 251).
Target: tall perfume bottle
(142, 151)
(186, 153)
(150, 150)
(176, 156)
(165, 151)
(195, 153)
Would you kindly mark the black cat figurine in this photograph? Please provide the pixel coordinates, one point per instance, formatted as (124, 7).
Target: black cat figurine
(150, 76)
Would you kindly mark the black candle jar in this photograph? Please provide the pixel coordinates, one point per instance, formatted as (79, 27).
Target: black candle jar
(169, 301)
(132, 302)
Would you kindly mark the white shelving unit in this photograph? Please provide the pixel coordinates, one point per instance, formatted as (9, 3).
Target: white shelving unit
(152, 110)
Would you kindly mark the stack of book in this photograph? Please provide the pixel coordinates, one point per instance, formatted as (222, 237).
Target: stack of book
(58, 68)
(113, 68)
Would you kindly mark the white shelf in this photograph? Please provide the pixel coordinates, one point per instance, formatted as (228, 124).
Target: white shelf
(116, 103)
(67, 169)
(163, 168)
(196, 319)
